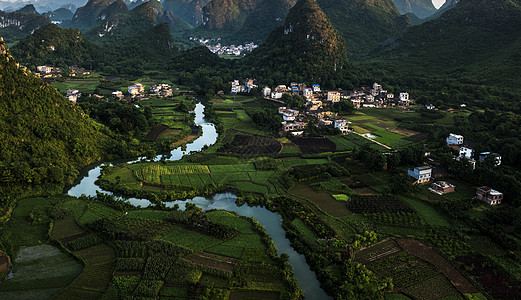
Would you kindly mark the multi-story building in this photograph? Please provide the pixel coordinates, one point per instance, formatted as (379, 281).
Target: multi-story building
(454, 139)
(421, 174)
(333, 96)
(489, 195)
(342, 125)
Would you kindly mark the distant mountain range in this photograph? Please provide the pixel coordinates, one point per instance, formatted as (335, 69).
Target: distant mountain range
(475, 39)
(420, 8)
(42, 6)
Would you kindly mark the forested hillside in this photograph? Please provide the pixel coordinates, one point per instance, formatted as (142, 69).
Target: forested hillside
(45, 138)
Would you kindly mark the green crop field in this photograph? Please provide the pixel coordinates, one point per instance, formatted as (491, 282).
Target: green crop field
(190, 239)
(245, 241)
(96, 211)
(231, 220)
(86, 86)
(429, 213)
(342, 144)
(308, 235)
(148, 214)
(231, 168)
(152, 173)
(232, 176)
(40, 272)
(251, 187)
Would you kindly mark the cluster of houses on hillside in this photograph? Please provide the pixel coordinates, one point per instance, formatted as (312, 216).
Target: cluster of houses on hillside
(220, 49)
(424, 174)
(48, 72)
(364, 96)
(138, 91)
(294, 122)
(55, 72)
(246, 87)
(466, 151)
(319, 101)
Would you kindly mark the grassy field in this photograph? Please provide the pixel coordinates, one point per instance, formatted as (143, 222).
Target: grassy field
(84, 85)
(430, 214)
(384, 124)
(190, 239)
(242, 175)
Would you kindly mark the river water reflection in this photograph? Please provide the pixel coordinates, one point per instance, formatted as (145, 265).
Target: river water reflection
(226, 201)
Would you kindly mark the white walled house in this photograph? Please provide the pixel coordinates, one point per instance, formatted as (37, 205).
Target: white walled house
(466, 152)
(266, 91)
(276, 95)
(421, 174)
(342, 125)
(454, 139)
(333, 96)
(308, 93)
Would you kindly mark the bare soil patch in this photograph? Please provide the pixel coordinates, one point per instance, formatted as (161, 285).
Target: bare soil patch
(155, 131)
(495, 282)
(184, 140)
(215, 261)
(72, 237)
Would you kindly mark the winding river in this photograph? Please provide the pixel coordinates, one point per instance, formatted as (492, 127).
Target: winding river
(225, 201)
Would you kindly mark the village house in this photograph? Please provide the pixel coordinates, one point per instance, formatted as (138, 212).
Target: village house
(454, 139)
(118, 94)
(421, 174)
(316, 88)
(293, 126)
(249, 84)
(466, 152)
(266, 91)
(342, 125)
(442, 187)
(136, 89)
(73, 95)
(325, 122)
(333, 96)
(497, 157)
(489, 195)
(44, 69)
(308, 93)
(288, 114)
(236, 87)
(404, 100)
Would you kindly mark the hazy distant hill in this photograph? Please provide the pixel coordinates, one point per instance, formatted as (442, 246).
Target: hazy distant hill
(123, 25)
(190, 11)
(475, 38)
(61, 14)
(29, 9)
(364, 23)
(266, 16)
(95, 11)
(15, 26)
(421, 8)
